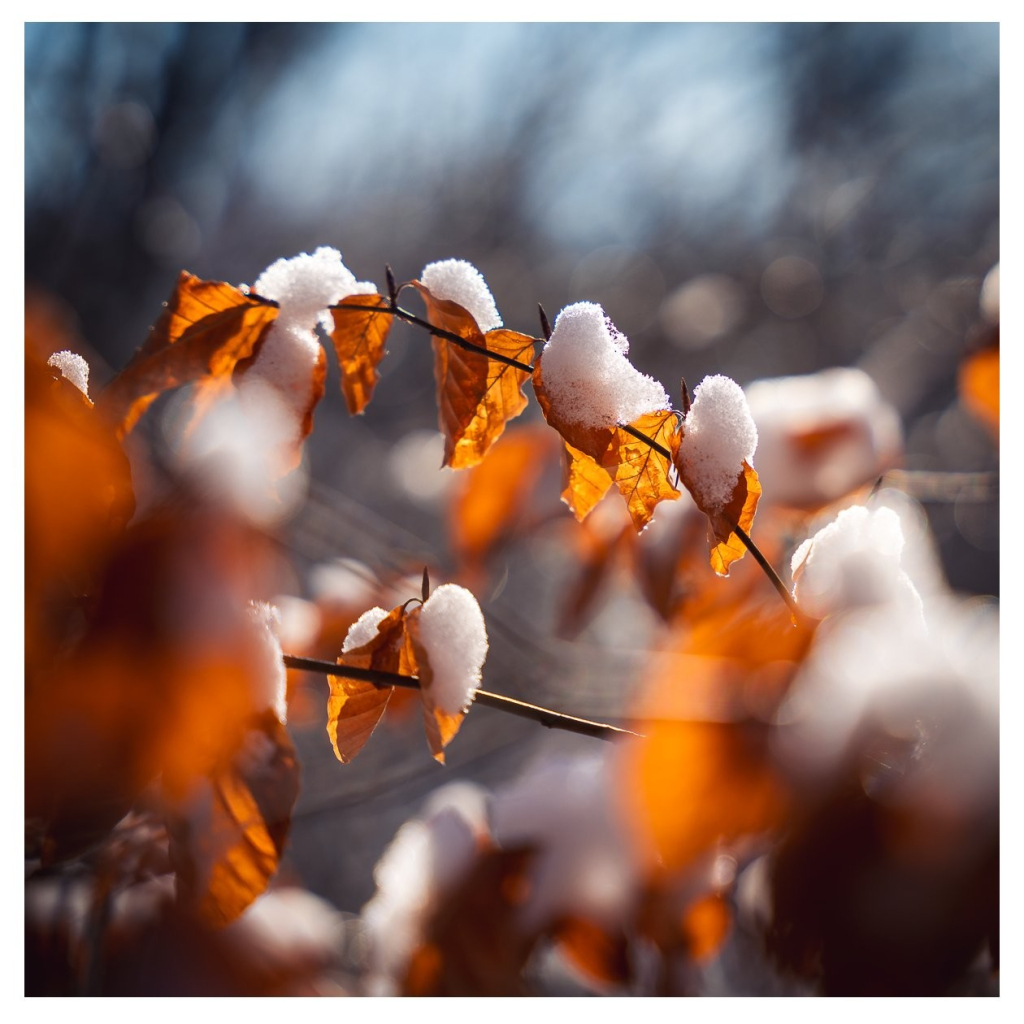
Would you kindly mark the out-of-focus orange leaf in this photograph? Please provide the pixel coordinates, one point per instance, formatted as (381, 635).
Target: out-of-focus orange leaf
(228, 834)
(705, 926)
(166, 673)
(205, 329)
(476, 396)
(696, 784)
(440, 726)
(600, 954)
(639, 471)
(359, 338)
(354, 707)
(474, 945)
(494, 493)
(979, 386)
(78, 500)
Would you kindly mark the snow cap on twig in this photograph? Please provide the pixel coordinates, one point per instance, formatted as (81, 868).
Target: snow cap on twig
(459, 281)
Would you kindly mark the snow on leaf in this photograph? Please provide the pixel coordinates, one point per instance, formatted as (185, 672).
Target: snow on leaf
(354, 706)
(476, 395)
(614, 454)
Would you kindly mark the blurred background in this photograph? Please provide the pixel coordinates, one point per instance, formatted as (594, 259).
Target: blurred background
(753, 200)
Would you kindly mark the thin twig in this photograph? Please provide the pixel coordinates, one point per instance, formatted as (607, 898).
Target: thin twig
(772, 575)
(455, 339)
(543, 716)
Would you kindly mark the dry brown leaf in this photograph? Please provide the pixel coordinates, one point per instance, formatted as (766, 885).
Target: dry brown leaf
(639, 471)
(979, 386)
(476, 396)
(206, 328)
(227, 837)
(360, 337)
(440, 726)
(354, 707)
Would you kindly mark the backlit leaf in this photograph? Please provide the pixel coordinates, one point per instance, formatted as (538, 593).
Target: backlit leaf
(205, 329)
(359, 338)
(493, 494)
(727, 547)
(354, 706)
(640, 472)
(228, 834)
(476, 396)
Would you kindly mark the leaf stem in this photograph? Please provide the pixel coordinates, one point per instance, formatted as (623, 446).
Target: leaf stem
(455, 339)
(543, 716)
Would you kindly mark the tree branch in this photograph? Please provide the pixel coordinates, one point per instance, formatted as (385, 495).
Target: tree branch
(455, 339)
(543, 716)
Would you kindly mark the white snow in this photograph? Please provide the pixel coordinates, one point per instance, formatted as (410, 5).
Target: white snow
(426, 857)
(364, 629)
(853, 562)
(73, 368)
(718, 436)
(454, 636)
(821, 435)
(304, 287)
(270, 679)
(459, 281)
(587, 375)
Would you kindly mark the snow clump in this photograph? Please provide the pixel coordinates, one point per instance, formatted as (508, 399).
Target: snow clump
(364, 629)
(459, 281)
(303, 287)
(454, 637)
(273, 687)
(718, 437)
(73, 368)
(587, 375)
(853, 562)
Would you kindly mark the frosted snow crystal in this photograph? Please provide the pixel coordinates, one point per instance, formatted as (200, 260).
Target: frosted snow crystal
(852, 562)
(364, 629)
(718, 436)
(73, 368)
(272, 678)
(459, 281)
(304, 287)
(587, 375)
(454, 636)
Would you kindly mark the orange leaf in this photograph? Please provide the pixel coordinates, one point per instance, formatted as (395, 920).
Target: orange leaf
(728, 547)
(639, 471)
(979, 386)
(227, 836)
(354, 707)
(440, 726)
(493, 494)
(584, 482)
(359, 338)
(600, 954)
(476, 396)
(706, 925)
(205, 329)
